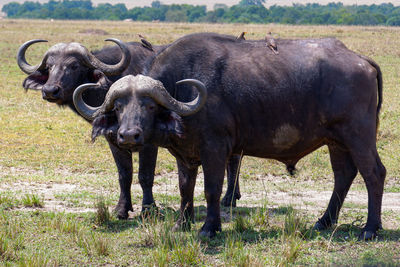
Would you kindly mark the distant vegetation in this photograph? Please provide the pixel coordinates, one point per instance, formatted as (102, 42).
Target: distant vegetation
(247, 11)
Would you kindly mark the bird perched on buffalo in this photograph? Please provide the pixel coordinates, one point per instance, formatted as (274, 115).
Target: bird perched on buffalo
(241, 36)
(145, 43)
(269, 39)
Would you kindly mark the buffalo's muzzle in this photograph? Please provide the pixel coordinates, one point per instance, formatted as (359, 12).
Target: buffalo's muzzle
(51, 92)
(131, 136)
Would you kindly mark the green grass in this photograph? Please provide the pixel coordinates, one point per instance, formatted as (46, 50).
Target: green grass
(57, 188)
(31, 200)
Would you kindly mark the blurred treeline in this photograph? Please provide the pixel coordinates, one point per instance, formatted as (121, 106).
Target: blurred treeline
(246, 11)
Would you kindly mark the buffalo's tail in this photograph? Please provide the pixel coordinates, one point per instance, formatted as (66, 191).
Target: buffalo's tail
(380, 86)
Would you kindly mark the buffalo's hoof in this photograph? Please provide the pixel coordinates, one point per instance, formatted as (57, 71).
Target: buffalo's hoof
(207, 234)
(319, 226)
(227, 201)
(121, 210)
(322, 224)
(148, 209)
(148, 206)
(367, 235)
(121, 213)
(209, 230)
(151, 211)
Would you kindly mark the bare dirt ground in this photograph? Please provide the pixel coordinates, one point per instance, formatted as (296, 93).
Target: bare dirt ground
(310, 200)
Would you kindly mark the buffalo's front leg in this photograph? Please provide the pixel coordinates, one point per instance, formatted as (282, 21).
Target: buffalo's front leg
(232, 192)
(214, 168)
(187, 181)
(123, 160)
(147, 165)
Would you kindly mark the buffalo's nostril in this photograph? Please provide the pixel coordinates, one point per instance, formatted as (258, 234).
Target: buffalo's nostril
(129, 137)
(56, 91)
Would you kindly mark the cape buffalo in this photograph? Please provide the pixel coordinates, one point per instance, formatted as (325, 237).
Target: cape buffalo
(67, 65)
(250, 100)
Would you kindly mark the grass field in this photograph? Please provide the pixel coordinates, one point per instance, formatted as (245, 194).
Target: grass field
(56, 188)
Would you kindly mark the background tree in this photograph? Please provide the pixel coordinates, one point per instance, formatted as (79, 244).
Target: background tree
(251, 2)
(247, 11)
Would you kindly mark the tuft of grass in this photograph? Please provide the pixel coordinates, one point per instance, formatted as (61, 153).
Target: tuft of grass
(169, 247)
(102, 213)
(35, 260)
(291, 248)
(82, 240)
(260, 217)
(292, 238)
(7, 201)
(236, 254)
(5, 248)
(32, 200)
(241, 224)
(295, 225)
(65, 224)
(188, 253)
(161, 258)
(101, 245)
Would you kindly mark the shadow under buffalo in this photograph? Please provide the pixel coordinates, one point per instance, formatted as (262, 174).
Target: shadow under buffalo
(250, 233)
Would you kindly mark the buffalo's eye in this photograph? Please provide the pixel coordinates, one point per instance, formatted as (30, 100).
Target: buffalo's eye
(74, 66)
(151, 107)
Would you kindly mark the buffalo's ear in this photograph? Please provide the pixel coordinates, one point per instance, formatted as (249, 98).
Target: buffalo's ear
(97, 76)
(105, 124)
(170, 123)
(95, 96)
(35, 81)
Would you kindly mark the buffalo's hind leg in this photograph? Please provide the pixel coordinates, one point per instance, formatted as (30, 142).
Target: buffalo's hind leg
(344, 171)
(362, 147)
(373, 173)
(187, 182)
(232, 192)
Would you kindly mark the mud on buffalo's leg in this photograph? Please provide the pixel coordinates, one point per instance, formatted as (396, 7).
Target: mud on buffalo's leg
(187, 181)
(123, 160)
(344, 171)
(147, 165)
(214, 169)
(233, 191)
(362, 147)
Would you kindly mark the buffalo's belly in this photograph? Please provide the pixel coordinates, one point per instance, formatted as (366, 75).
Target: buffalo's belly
(283, 143)
(289, 153)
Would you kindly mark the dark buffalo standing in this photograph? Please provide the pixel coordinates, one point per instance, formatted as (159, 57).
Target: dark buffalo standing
(67, 65)
(252, 101)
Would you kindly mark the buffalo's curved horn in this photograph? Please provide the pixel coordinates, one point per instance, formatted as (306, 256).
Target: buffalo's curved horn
(162, 97)
(84, 109)
(21, 60)
(89, 112)
(111, 69)
(153, 89)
